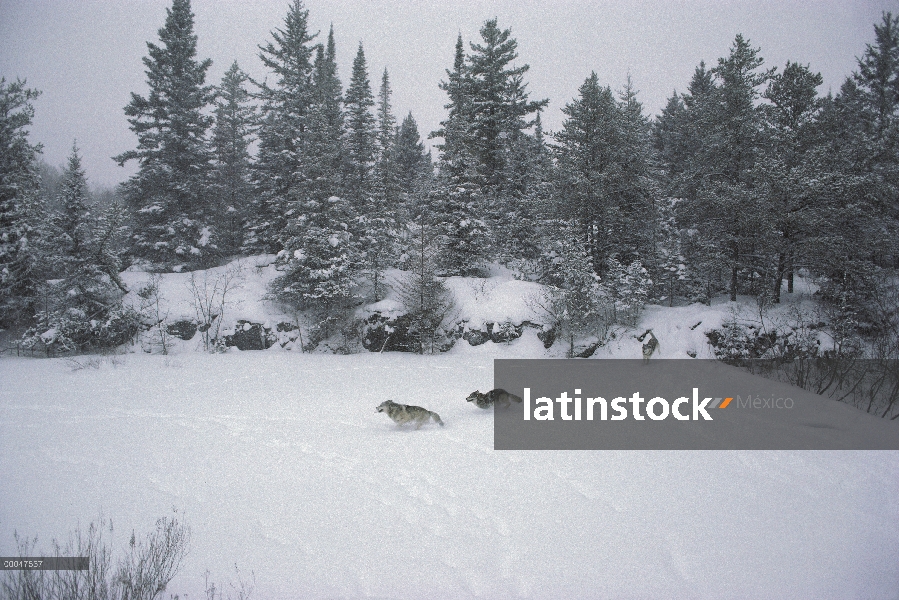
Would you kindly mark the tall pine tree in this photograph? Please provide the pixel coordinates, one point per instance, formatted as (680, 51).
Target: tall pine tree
(235, 121)
(281, 175)
(168, 196)
(19, 211)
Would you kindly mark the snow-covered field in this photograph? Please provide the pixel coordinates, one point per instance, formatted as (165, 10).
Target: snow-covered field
(280, 465)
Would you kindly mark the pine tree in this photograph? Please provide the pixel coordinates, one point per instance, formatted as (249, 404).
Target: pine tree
(586, 158)
(425, 297)
(81, 308)
(235, 120)
(73, 221)
(360, 133)
(455, 162)
(856, 186)
(19, 197)
(282, 162)
(410, 162)
(785, 172)
(729, 122)
(168, 195)
(325, 158)
(386, 120)
(499, 103)
(456, 199)
(378, 223)
(575, 302)
(878, 75)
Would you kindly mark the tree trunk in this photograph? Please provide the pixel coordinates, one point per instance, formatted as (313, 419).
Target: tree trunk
(790, 272)
(779, 276)
(734, 271)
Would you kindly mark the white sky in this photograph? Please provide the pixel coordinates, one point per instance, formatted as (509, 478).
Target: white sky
(85, 55)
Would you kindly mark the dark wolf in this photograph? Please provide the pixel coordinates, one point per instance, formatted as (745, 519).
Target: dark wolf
(496, 397)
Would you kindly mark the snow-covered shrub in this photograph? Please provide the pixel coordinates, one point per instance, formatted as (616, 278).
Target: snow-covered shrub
(81, 314)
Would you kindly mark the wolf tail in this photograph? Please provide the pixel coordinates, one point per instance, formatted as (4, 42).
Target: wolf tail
(436, 418)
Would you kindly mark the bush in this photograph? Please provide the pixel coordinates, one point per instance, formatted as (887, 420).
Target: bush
(142, 573)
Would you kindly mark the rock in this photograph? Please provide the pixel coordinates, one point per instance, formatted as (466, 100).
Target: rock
(380, 333)
(505, 332)
(476, 337)
(547, 336)
(250, 336)
(182, 329)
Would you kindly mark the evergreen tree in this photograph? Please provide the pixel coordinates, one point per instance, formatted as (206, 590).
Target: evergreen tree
(325, 158)
(81, 308)
(455, 162)
(878, 76)
(410, 162)
(235, 120)
(282, 162)
(73, 221)
(785, 172)
(320, 263)
(19, 197)
(425, 297)
(856, 189)
(386, 120)
(498, 101)
(729, 123)
(575, 302)
(378, 223)
(586, 158)
(456, 198)
(360, 133)
(168, 195)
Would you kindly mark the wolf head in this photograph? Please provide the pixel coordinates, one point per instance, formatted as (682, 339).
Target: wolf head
(385, 405)
(473, 397)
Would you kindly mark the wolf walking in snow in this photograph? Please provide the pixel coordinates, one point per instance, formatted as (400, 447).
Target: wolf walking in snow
(497, 397)
(650, 347)
(405, 413)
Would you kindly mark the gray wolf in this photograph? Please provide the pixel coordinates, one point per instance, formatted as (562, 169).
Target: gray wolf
(650, 347)
(498, 397)
(405, 413)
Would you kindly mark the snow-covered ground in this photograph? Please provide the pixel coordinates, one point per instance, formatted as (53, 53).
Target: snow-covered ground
(279, 464)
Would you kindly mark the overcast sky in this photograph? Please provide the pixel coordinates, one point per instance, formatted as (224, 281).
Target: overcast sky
(85, 55)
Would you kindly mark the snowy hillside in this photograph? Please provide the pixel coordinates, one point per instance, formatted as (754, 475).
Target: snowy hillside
(477, 303)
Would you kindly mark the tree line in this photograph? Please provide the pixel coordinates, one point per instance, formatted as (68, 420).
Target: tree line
(744, 180)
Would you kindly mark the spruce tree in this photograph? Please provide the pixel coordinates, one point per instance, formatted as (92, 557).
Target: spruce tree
(281, 172)
(168, 196)
(20, 214)
(378, 222)
(499, 103)
(410, 162)
(325, 158)
(585, 151)
(786, 173)
(74, 221)
(456, 199)
(81, 308)
(360, 133)
(235, 120)
(729, 123)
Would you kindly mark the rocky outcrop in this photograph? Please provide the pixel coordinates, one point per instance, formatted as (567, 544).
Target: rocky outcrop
(251, 336)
